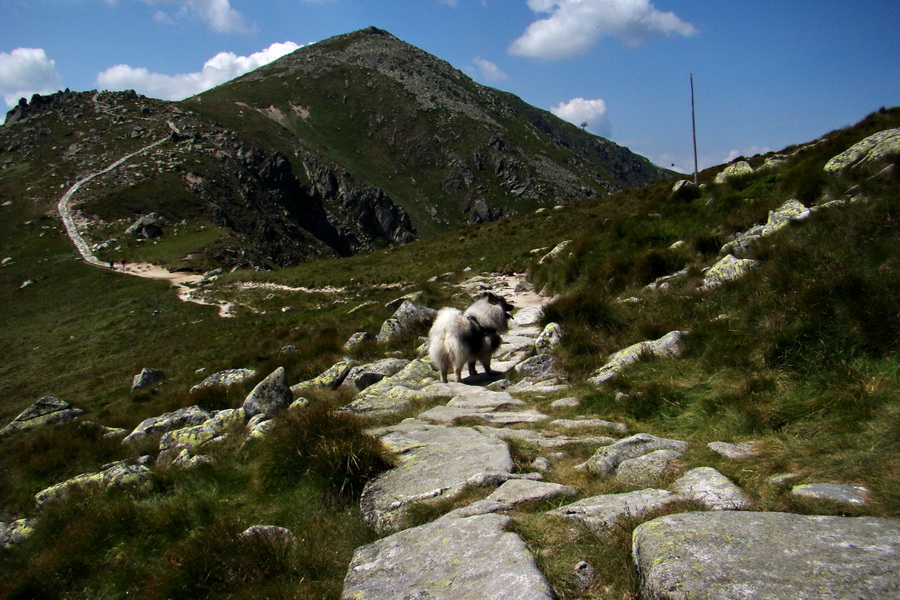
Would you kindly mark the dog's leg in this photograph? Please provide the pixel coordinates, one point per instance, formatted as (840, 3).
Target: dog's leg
(443, 375)
(472, 368)
(486, 363)
(459, 374)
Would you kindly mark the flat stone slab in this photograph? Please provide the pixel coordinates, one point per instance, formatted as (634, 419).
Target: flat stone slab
(435, 462)
(481, 399)
(712, 489)
(732, 451)
(536, 437)
(600, 513)
(645, 471)
(448, 414)
(776, 556)
(619, 428)
(472, 558)
(835, 492)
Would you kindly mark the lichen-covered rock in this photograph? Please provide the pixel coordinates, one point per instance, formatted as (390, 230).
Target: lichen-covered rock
(226, 378)
(362, 376)
(270, 395)
(396, 393)
(434, 462)
(330, 378)
(15, 532)
(727, 269)
(271, 533)
(146, 378)
(607, 459)
(777, 556)
(617, 428)
(877, 147)
(711, 489)
(541, 366)
(115, 476)
(406, 317)
(177, 419)
(557, 250)
(857, 495)
(45, 411)
(792, 210)
(357, 339)
(193, 438)
(668, 346)
(600, 513)
(735, 169)
(646, 470)
(472, 558)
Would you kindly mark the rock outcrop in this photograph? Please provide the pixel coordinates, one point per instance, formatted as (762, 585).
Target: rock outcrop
(45, 411)
(739, 555)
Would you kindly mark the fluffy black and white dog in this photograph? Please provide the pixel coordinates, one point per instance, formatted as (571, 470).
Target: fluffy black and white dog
(458, 338)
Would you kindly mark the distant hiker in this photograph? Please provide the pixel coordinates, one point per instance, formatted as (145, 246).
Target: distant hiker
(122, 262)
(112, 264)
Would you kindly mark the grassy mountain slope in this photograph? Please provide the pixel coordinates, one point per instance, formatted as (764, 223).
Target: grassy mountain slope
(799, 357)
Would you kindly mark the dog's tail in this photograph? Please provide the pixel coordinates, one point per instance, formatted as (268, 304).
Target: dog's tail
(445, 346)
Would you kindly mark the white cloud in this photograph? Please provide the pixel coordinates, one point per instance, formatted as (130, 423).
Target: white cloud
(574, 26)
(219, 15)
(222, 67)
(579, 111)
(488, 71)
(27, 71)
(748, 151)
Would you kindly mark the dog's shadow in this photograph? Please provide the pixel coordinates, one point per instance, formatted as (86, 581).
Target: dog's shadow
(483, 379)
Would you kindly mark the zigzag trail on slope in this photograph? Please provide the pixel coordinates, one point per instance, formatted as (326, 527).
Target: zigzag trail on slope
(145, 270)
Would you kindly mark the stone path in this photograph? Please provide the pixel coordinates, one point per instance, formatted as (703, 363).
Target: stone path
(470, 553)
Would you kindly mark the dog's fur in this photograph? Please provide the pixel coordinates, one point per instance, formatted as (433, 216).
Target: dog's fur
(458, 338)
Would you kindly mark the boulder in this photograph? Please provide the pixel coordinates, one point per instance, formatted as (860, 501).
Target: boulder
(270, 395)
(47, 410)
(396, 393)
(147, 227)
(618, 428)
(408, 316)
(607, 459)
(146, 378)
(357, 339)
(448, 559)
(735, 169)
(434, 463)
(15, 532)
(197, 436)
(711, 489)
(116, 475)
(646, 471)
(777, 556)
(362, 376)
(567, 402)
(727, 269)
(601, 513)
(792, 210)
(529, 315)
(834, 492)
(877, 147)
(557, 250)
(549, 339)
(226, 378)
(330, 378)
(177, 419)
(270, 533)
(668, 346)
(732, 451)
(542, 366)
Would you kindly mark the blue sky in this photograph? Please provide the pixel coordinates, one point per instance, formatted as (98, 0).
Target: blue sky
(767, 74)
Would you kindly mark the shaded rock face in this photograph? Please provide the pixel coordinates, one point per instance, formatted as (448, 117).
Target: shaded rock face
(779, 556)
(45, 411)
(117, 475)
(184, 417)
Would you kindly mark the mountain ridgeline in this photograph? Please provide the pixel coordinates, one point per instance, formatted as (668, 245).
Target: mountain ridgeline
(354, 143)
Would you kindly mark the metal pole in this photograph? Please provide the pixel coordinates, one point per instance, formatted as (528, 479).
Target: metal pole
(694, 128)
